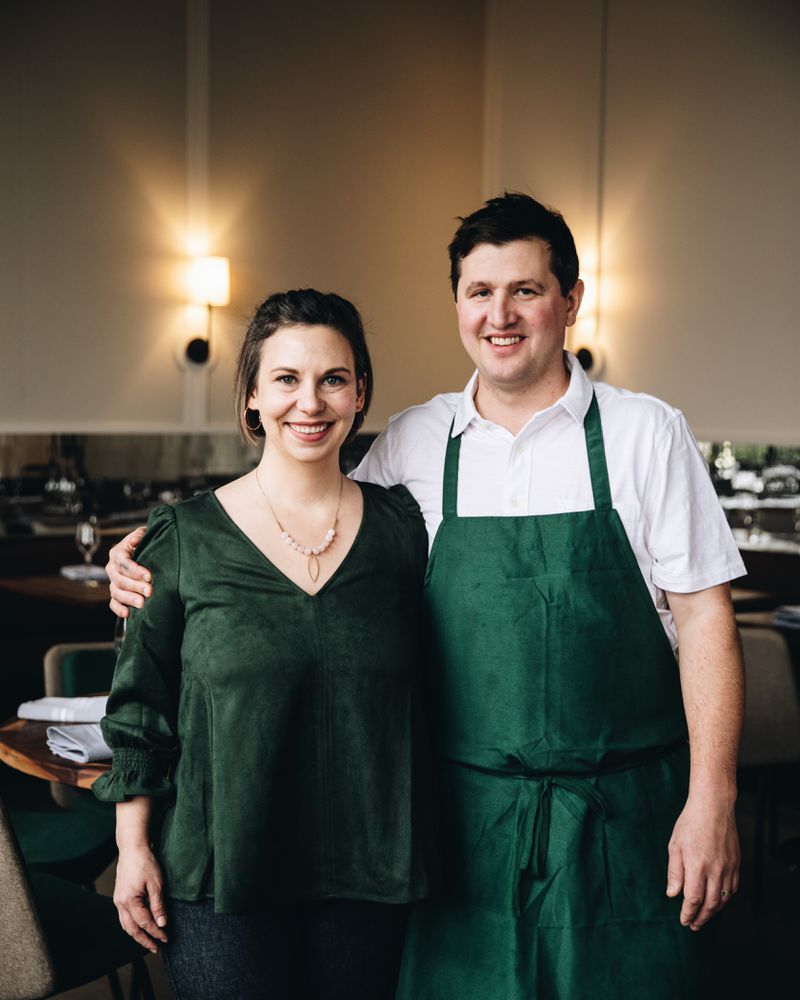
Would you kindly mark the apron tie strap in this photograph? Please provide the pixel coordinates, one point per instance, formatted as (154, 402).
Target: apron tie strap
(450, 478)
(533, 825)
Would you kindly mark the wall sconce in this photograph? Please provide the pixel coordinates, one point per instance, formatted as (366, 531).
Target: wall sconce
(209, 285)
(591, 358)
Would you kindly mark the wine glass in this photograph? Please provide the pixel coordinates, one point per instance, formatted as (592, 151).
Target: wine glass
(87, 538)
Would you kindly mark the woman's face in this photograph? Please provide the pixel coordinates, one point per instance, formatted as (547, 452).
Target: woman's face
(307, 392)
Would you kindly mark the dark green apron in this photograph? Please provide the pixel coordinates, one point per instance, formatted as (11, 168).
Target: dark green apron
(557, 706)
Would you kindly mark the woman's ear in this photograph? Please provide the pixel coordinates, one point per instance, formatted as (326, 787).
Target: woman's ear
(361, 398)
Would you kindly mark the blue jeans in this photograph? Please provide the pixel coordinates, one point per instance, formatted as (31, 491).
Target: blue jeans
(338, 949)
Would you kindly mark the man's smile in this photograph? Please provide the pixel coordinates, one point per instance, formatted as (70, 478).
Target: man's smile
(505, 341)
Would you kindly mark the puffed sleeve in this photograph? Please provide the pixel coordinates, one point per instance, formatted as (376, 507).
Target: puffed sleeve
(417, 533)
(140, 724)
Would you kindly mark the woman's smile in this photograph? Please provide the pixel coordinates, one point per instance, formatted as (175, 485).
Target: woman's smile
(310, 432)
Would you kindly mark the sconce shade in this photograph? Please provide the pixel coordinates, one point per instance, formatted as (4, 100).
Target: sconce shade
(209, 281)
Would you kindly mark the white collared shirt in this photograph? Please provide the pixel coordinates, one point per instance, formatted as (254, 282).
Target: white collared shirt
(659, 481)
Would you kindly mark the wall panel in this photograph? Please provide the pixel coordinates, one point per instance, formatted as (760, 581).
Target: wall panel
(696, 188)
(343, 140)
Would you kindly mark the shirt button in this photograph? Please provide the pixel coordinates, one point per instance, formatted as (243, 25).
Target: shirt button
(515, 501)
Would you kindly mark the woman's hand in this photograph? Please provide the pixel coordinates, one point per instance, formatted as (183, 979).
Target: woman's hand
(139, 896)
(129, 582)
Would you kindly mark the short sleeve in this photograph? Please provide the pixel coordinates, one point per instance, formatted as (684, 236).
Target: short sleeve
(140, 724)
(376, 465)
(684, 527)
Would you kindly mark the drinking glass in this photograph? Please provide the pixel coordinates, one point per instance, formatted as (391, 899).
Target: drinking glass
(87, 538)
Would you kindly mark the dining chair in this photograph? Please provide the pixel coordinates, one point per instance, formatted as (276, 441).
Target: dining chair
(771, 732)
(77, 841)
(72, 669)
(56, 936)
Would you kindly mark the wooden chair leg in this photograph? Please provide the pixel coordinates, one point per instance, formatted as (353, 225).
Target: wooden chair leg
(141, 987)
(114, 986)
(774, 821)
(762, 795)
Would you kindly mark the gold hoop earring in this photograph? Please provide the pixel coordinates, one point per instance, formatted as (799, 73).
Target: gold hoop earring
(247, 423)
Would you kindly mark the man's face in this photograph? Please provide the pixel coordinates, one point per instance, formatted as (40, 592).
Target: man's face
(512, 315)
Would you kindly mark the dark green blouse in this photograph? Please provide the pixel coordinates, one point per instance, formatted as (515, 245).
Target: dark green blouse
(280, 728)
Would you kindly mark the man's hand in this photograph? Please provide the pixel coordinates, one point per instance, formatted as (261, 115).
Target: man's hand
(703, 860)
(704, 848)
(129, 582)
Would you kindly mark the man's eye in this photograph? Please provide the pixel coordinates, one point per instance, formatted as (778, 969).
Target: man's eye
(526, 293)
(481, 293)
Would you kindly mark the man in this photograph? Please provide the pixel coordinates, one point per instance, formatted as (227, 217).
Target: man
(576, 542)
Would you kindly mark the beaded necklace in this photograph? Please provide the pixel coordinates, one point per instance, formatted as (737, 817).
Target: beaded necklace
(309, 552)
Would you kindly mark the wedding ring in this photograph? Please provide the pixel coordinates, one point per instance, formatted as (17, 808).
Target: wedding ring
(724, 892)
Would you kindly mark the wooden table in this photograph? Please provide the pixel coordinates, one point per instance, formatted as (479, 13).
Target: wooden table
(58, 589)
(752, 600)
(23, 746)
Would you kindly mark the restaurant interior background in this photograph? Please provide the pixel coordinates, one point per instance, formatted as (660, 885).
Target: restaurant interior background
(334, 145)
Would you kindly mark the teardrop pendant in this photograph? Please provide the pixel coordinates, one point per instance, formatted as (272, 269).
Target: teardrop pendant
(313, 567)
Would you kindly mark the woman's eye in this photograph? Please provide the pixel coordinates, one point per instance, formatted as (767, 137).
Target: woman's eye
(333, 380)
(287, 379)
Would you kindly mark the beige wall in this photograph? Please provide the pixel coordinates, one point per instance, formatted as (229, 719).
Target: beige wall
(91, 199)
(700, 212)
(343, 139)
(343, 146)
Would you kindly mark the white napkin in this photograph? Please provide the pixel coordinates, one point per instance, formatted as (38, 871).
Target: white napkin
(84, 572)
(787, 615)
(64, 709)
(80, 743)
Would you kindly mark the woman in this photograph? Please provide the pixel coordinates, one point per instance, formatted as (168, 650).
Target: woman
(264, 696)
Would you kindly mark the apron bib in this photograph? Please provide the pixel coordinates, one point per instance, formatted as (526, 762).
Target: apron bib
(556, 706)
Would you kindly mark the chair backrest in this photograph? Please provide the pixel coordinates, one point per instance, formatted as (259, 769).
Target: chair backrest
(26, 968)
(771, 733)
(72, 669)
(75, 668)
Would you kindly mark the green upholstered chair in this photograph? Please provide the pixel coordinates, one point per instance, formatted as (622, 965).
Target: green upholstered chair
(77, 841)
(72, 669)
(56, 936)
(77, 844)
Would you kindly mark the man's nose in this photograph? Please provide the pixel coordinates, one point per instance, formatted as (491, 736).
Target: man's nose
(501, 311)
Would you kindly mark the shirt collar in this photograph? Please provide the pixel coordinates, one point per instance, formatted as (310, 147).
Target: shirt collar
(575, 400)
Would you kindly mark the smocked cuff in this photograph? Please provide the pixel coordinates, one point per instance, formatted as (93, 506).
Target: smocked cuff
(134, 772)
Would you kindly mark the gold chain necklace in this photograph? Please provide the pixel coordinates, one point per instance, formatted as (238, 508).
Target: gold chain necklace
(317, 550)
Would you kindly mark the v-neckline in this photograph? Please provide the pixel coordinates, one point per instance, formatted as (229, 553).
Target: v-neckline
(266, 559)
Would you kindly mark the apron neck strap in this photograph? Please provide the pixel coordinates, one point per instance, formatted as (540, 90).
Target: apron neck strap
(598, 470)
(450, 482)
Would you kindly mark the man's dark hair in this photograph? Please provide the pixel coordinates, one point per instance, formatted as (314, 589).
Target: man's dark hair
(300, 307)
(513, 216)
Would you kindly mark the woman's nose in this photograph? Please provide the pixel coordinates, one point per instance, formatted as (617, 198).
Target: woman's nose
(309, 399)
